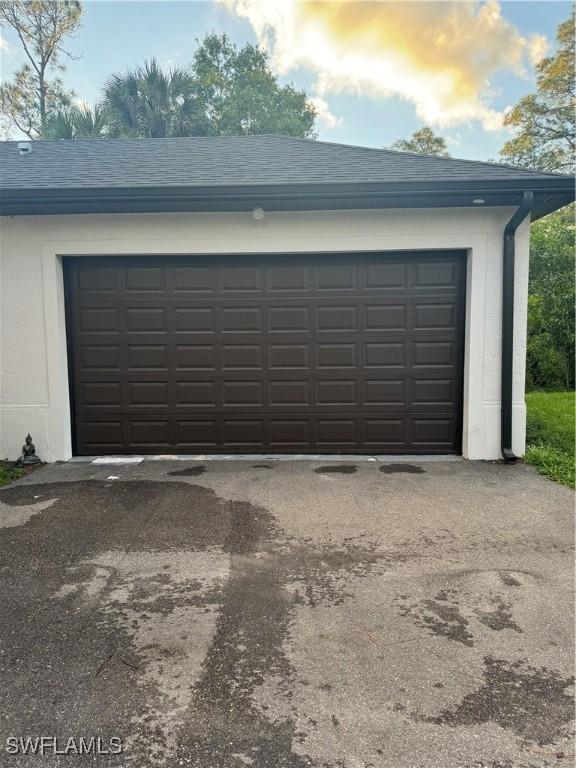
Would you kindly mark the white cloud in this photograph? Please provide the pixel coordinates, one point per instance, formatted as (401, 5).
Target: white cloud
(438, 54)
(324, 113)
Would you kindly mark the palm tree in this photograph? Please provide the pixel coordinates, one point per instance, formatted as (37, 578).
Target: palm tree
(78, 122)
(150, 103)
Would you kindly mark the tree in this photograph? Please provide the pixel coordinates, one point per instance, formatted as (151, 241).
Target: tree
(545, 121)
(550, 351)
(239, 94)
(150, 103)
(423, 142)
(78, 122)
(41, 27)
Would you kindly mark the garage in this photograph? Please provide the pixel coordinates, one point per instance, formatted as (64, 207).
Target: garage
(263, 294)
(306, 353)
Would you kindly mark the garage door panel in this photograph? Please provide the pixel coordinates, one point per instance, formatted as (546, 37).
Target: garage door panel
(153, 394)
(243, 433)
(337, 432)
(196, 393)
(336, 277)
(195, 433)
(194, 357)
(151, 357)
(288, 278)
(433, 432)
(194, 320)
(105, 394)
(99, 320)
(192, 280)
(96, 279)
(285, 319)
(336, 356)
(144, 279)
(242, 393)
(386, 275)
(99, 357)
(436, 275)
(100, 435)
(433, 392)
(291, 394)
(235, 279)
(342, 352)
(245, 357)
(293, 433)
(385, 317)
(336, 318)
(385, 391)
(390, 354)
(432, 317)
(288, 356)
(389, 433)
(145, 434)
(427, 353)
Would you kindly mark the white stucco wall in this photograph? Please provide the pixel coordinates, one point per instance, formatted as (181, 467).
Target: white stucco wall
(33, 369)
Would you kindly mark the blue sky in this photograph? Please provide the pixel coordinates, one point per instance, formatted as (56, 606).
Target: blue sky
(117, 35)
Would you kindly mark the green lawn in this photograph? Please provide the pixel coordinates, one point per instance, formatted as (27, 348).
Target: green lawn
(550, 434)
(9, 473)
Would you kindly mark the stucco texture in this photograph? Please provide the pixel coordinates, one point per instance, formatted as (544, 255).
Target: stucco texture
(33, 363)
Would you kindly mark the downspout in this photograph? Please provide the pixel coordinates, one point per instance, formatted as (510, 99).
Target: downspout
(509, 253)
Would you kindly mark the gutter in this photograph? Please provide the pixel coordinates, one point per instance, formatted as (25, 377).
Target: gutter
(509, 255)
(551, 193)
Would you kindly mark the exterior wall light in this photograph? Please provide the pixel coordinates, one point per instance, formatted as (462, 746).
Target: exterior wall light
(478, 201)
(258, 213)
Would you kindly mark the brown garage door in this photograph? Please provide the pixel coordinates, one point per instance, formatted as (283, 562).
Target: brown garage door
(301, 353)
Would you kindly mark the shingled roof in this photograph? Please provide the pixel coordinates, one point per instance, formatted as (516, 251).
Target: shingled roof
(243, 165)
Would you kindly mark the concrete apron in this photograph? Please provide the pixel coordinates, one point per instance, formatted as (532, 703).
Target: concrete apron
(400, 458)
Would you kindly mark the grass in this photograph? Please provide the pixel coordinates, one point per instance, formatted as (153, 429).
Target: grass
(9, 473)
(551, 435)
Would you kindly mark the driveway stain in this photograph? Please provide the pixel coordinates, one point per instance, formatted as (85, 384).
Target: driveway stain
(401, 469)
(188, 598)
(509, 580)
(441, 618)
(500, 618)
(532, 702)
(262, 466)
(337, 469)
(451, 611)
(189, 471)
(177, 619)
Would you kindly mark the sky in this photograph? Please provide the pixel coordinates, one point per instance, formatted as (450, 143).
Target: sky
(377, 71)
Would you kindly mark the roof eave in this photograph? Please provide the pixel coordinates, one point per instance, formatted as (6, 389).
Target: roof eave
(550, 192)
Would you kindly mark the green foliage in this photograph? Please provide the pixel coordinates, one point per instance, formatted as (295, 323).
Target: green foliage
(150, 103)
(551, 434)
(556, 465)
(423, 142)
(34, 93)
(546, 121)
(552, 419)
(550, 345)
(82, 122)
(9, 473)
(239, 94)
(226, 91)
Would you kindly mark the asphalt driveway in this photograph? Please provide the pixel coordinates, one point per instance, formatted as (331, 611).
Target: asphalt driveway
(288, 614)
